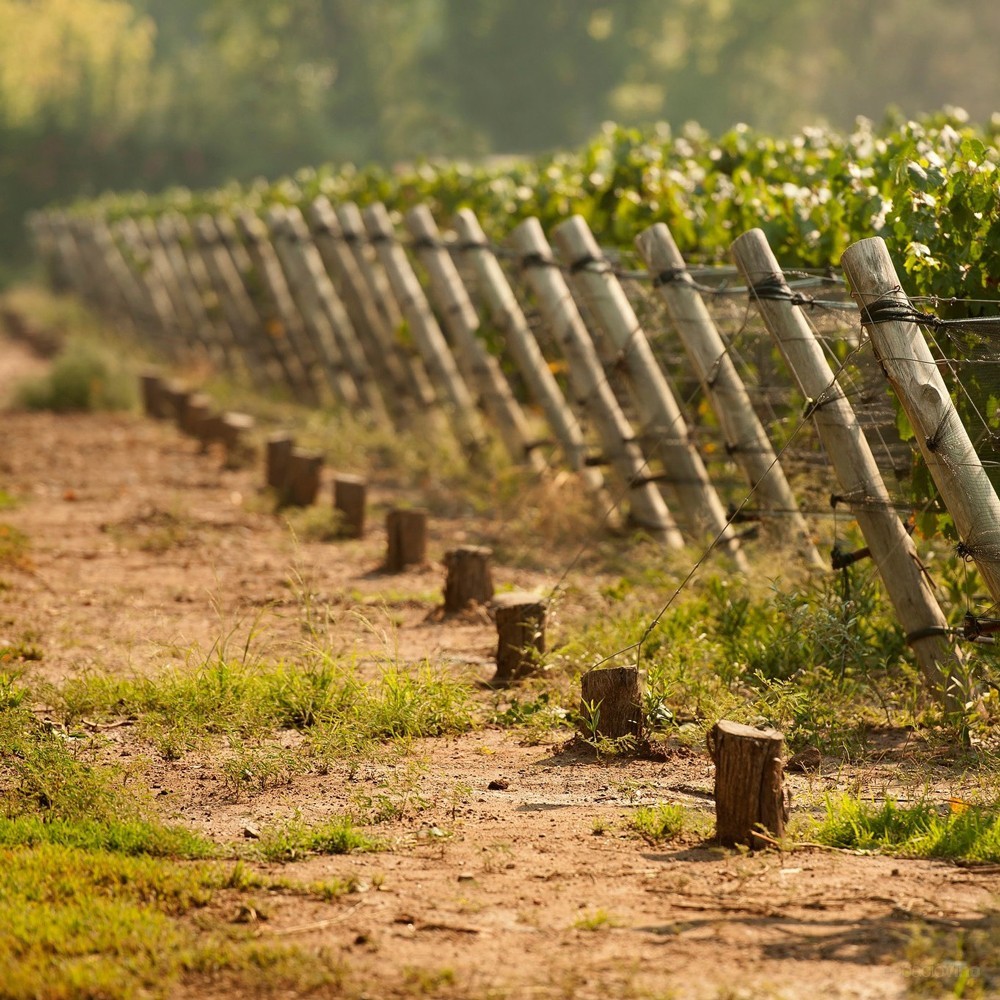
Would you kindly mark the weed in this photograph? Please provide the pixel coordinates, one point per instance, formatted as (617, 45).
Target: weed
(596, 920)
(955, 830)
(14, 546)
(599, 826)
(429, 982)
(255, 769)
(7, 500)
(293, 839)
(84, 376)
(658, 824)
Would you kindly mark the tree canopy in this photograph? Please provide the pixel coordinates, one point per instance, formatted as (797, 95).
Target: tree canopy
(98, 94)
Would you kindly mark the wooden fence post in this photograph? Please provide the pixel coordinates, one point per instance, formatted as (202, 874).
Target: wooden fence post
(282, 322)
(916, 379)
(663, 422)
(507, 316)
(850, 454)
(288, 245)
(406, 538)
(349, 500)
(405, 370)
(611, 704)
(590, 383)
(520, 619)
(445, 378)
(468, 578)
(746, 439)
(461, 321)
(377, 356)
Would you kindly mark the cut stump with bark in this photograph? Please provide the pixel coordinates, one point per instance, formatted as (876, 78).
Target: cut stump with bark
(520, 619)
(468, 579)
(611, 704)
(198, 408)
(749, 795)
(235, 431)
(302, 474)
(279, 451)
(153, 403)
(349, 500)
(406, 542)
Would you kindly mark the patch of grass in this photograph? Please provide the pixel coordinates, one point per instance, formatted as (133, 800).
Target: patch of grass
(595, 920)
(658, 824)
(22, 650)
(14, 545)
(958, 962)
(98, 924)
(7, 500)
(293, 839)
(85, 376)
(254, 769)
(925, 829)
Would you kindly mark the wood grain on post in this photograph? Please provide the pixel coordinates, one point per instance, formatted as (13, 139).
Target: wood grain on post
(843, 439)
(749, 794)
(747, 441)
(469, 579)
(278, 452)
(664, 425)
(406, 541)
(590, 383)
(349, 500)
(198, 408)
(611, 703)
(916, 379)
(520, 619)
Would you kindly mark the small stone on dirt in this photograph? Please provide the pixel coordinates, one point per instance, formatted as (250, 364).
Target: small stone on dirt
(807, 759)
(498, 785)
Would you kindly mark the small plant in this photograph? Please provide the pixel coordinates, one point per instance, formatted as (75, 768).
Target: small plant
(658, 824)
(84, 376)
(14, 545)
(596, 920)
(293, 839)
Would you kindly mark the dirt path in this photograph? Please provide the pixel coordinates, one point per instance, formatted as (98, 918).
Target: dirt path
(144, 553)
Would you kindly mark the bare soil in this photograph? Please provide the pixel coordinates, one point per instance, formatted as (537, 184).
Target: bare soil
(511, 871)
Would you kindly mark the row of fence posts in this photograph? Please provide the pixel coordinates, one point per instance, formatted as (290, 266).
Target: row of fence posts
(330, 303)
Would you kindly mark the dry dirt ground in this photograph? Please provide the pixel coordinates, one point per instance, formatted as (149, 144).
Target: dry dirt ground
(532, 888)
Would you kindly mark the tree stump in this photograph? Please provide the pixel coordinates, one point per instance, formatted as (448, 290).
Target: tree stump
(279, 451)
(302, 474)
(198, 408)
(153, 403)
(235, 431)
(173, 399)
(349, 500)
(611, 705)
(407, 538)
(468, 580)
(520, 618)
(748, 789)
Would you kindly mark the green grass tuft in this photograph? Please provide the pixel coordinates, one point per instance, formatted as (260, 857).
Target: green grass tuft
(926, 830)
(658, 824)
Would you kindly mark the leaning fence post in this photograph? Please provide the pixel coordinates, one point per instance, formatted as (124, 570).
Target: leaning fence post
(664, 423)
(914, 375)
(590, 383)
(746, 439)
(510, 320)
(850, 454)
(445, 377)
(461, 322)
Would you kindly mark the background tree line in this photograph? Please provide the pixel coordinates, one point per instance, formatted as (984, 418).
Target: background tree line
(112, 94)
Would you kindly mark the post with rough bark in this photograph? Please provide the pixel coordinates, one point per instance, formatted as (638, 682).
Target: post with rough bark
(302, 476)
(590, 385)
(406, 538)
(520, 620)
(350, 502)
(469, 579)
(198, 408)
(746, 440)
(916, 379)
(234, 432)
(749, 793)
(664, 429)
(278, 452)
(611, 704)
(861, 482)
